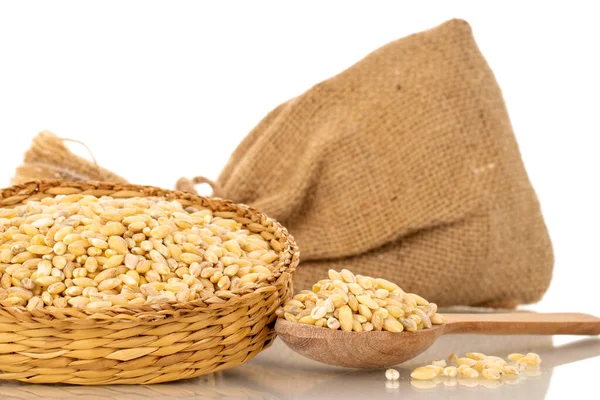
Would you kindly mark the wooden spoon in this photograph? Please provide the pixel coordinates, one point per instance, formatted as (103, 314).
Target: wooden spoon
(378, 349)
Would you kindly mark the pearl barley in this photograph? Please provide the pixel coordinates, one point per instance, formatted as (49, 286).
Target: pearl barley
(360, 303)
(479, 365)
(96, 252)
(392, 374)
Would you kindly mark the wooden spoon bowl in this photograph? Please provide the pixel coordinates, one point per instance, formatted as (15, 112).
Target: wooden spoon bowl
(355, 349)
(377, 349)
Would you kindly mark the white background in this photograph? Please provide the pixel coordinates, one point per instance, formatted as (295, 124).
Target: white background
(163, 89)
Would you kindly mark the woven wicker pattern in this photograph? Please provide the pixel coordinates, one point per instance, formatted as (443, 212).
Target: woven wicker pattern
(138, 344)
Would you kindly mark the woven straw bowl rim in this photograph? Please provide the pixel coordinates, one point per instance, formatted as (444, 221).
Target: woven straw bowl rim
(39, 189)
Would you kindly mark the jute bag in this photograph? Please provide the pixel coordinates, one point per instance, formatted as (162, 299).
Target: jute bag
(404, 166)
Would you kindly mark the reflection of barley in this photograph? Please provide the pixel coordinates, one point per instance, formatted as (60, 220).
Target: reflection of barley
(479, 365)
(420, 384)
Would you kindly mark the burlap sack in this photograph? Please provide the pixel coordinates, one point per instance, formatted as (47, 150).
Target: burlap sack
(404, 166)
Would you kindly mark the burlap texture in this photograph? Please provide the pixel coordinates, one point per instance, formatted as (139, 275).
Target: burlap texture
(404, 166)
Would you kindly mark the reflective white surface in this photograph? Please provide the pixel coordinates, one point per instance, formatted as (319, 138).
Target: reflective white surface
(570, 365)
(205, 76)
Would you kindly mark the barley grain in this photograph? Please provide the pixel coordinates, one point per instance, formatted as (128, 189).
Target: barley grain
(466, 361)
(424, 373)
(515, 356)
(392, 374)
(490, 373)
(450, 371)
(439, 363)
(510, 370)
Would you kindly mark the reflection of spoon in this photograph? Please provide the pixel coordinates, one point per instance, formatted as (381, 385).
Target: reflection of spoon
(377, 349)
(572, 352)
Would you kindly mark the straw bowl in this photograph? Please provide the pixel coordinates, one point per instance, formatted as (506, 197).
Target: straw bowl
(144, 344)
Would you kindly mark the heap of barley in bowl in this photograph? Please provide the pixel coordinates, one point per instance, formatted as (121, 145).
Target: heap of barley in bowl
(357, 303)
(89, 252)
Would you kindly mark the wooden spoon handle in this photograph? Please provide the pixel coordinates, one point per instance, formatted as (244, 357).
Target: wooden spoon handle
(523, 323)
